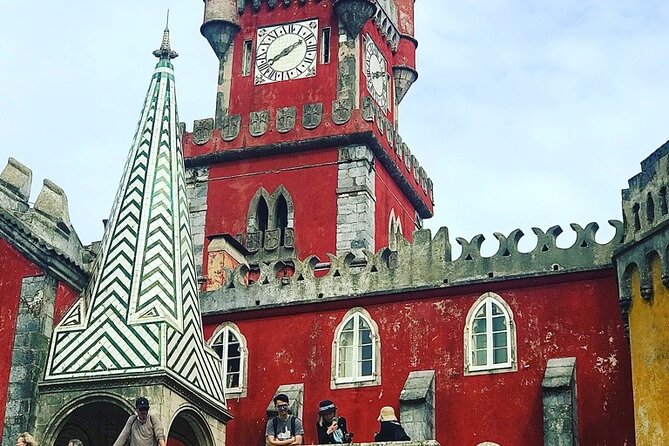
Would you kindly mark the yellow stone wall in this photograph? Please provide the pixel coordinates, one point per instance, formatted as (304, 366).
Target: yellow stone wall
(649, 341)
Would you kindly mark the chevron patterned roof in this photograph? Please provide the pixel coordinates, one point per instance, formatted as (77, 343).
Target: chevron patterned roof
(140, 313)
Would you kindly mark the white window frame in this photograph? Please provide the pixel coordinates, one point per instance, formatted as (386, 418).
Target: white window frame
(488, 299)
(343, 382)
(223, 330)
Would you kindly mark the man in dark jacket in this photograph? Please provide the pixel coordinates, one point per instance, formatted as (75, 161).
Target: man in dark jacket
(391, 429)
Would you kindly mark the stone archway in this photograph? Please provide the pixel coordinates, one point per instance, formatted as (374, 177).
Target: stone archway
(189, 428)
(94, 423)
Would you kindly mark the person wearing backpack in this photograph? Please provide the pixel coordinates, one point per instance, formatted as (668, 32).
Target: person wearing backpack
(391, 429)
(284, 429)
(142, 429)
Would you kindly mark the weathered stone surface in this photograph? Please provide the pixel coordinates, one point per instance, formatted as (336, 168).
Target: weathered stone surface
(425, 263)
(17, 178)
(355, 200)
(417, 410)
(33, 328)
(559, 402)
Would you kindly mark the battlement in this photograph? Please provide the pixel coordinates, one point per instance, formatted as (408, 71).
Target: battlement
(211, 141)
(645, 200)
(43, 231)
(424, 264)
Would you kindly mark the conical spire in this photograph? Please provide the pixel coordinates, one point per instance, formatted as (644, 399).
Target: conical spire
(140, 313)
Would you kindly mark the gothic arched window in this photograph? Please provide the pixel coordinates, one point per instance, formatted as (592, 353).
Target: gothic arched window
(229, 344)
(262, 214)
(490, 336)
(356, 351)
(281, 216)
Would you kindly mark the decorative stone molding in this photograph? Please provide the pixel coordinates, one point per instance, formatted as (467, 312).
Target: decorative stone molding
(424, 263)
(312, 115)
(285, 119)
(417, 410)
(560, 403)
(202, 130)
(258, 122)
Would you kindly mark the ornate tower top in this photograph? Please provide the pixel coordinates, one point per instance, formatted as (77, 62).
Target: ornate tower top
(140, 314)
(165, 52)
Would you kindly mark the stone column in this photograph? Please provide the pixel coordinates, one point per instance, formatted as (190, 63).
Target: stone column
(34, 325)
(559, 401)
(417, 405)
(197, 186)
(356, 200)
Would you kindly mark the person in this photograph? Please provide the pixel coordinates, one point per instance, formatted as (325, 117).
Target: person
(284, 429)
(330, 428)
(391, 429)
(25, 439)
(75, 442)
(142, 429)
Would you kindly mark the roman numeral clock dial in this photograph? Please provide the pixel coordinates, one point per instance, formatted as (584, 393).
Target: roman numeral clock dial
(286, 51)
(376, 73)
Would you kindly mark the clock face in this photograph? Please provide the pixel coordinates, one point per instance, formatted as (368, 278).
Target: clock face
(286, 51)
(376, 73)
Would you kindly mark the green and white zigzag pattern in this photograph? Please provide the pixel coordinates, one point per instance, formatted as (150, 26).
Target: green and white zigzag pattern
(140, 312)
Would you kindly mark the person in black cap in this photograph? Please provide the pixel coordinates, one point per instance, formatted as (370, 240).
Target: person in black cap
(331, 428)
(142, 429)
(284, 429)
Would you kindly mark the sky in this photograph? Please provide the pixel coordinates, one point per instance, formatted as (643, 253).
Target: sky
(526, 113)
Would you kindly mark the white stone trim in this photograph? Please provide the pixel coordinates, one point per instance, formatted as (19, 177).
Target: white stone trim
(223, 329)
(337, 382)
(512, 364)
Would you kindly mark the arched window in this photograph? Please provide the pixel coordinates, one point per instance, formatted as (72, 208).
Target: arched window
(490, 336)
(262, 214)
(394, 229)
(230, 346)
(281, 216)
(356, 351)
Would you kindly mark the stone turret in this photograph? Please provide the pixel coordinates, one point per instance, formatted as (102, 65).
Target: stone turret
(354, 14)
(221, 24)
(404, 68)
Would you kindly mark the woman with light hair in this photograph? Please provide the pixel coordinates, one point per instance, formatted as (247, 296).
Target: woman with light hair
(25, 439)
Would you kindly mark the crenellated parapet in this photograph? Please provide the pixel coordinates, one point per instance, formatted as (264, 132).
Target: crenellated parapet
(369, 125)
(646, 239)
(42, 232)
(426, 263)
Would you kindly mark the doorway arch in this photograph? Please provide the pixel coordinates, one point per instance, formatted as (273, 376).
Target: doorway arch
(189, 428)
(95, 419)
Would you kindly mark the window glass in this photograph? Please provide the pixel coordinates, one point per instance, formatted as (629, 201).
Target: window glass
(356, 350)
(489, 335)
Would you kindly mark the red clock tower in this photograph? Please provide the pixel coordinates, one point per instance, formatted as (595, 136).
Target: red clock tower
(303, 156)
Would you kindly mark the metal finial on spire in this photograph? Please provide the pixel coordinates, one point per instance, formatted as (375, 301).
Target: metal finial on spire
(165, 52)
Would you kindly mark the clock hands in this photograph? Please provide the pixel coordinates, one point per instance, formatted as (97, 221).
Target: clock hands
(284, 52)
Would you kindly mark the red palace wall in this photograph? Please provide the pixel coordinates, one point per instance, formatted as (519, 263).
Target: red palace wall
(14, 268)
(65, 297)
(425, 331)
(389, 197)
(311, 180)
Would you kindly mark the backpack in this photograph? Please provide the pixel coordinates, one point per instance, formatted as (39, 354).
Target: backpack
(275, 425)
